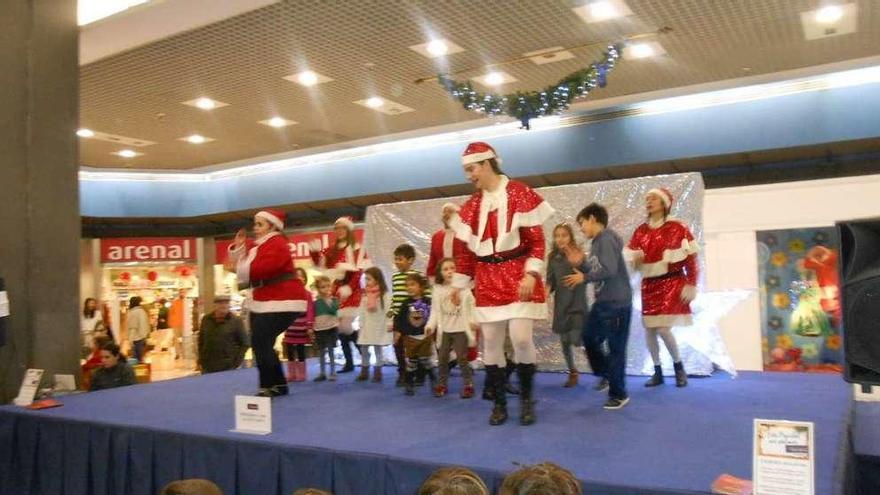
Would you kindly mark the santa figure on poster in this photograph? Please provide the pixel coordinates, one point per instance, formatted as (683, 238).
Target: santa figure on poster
(664, 251)
(501, 226)
(443, 242)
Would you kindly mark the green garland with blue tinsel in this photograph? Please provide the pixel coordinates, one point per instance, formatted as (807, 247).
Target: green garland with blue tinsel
(525, 106)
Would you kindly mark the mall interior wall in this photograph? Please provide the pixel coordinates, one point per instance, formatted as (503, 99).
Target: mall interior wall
(39, 217)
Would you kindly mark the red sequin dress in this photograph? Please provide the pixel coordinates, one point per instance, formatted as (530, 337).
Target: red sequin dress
(669, 272)
(498, 254)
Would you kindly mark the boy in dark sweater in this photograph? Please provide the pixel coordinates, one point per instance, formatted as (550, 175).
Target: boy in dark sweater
(410, 321)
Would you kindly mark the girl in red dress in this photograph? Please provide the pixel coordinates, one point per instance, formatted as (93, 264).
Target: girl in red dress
(278, 296)
(501, 224)
(343, 263)
(665, 252)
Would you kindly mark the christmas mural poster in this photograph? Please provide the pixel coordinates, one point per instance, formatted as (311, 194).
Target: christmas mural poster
(800, 300)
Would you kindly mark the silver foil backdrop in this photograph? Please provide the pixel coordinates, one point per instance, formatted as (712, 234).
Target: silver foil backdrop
(702, 349)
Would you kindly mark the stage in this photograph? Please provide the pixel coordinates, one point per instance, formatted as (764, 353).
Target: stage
(365, 438)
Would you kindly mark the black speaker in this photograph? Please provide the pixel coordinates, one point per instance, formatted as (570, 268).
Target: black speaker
(859, 265)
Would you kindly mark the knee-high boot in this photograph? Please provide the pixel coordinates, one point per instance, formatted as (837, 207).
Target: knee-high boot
(508, 372)
(496, 383)
(526, 374)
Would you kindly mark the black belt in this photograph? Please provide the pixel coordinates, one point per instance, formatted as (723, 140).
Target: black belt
(256, 284)
(502, 257)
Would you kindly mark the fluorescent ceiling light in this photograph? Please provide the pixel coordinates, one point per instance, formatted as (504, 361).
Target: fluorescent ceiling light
(375, 102)
(196, 139)
(829, 14)
(643, 50)
(437, 47)
(205, 103)
(385, 106)
(89, 11)
(127, 153)
(277, 122)
(86, 133)
(602, 10)
(830, 20)
(307, 78)
(495, 78)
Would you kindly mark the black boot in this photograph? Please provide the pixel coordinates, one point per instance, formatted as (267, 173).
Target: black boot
(488, 392)
(681, 378)
(432, 378)
(508, 385)
(657, 379)
(496, 383)
(526, 374)
(410, 382)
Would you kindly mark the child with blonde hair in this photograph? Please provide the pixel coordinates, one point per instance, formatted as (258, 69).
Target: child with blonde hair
(453, 481)
(326, 325)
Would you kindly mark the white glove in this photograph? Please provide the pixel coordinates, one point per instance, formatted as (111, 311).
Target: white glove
(344, 292)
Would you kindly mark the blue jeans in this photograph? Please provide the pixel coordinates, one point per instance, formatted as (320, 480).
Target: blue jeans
(140, 347)
(610, 323)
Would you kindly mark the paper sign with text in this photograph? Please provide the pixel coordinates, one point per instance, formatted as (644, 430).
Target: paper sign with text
(29, 386)
(253, 415)
(784, 458)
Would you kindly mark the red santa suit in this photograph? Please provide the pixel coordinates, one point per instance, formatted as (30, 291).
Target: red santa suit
(669, 272)
(268, 268)
(504, 239)
(443, 245)
(344, 268)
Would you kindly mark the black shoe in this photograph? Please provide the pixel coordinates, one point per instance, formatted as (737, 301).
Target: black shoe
(681, 378)
(511, 388)
(348, 368)
(320, 378)
(499, 415)
(612, 404)
(601, 385)
(265, 392)
(656, 379)
(275, 391)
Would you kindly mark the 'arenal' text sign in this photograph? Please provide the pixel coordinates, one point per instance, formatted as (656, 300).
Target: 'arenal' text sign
(148, 249)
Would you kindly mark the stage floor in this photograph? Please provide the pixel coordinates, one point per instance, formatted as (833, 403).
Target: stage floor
(376, 440)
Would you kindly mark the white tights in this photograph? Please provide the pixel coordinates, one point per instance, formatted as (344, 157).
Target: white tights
(668, 339)
(520, 335)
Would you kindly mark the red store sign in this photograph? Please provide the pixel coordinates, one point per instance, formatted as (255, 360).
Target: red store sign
(146, 249)
(299, 241)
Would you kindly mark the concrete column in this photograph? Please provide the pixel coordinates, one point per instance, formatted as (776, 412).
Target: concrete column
(39, 217)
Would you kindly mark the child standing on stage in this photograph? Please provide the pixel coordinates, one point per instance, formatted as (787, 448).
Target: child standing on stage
(404, 257)
(326, 325)
(297, 336)
(570, 300)
(374, 332)
(454, 326)
(411, 320)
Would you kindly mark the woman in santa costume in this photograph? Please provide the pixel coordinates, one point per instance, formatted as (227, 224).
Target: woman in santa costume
(665, 252)
(343, 263)
(501, 225)
(443, 242)
(278, 298)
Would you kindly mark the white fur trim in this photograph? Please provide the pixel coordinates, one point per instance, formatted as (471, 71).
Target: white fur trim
(265, 215)
(461, 281)
(661, 267)
(667, 201)
(506, 241)
(243, 266)
(657, 321)
(688, 293)
(535, 265)
(527, 310)
(347, 222)
(278, 306)
(478, 157)
(344, 292)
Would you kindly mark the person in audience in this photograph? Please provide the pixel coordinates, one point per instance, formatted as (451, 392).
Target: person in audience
(374, 332)
(90, 320)
(193, 486)
(453, 481)
(501, 225)
(569, 300)
(454, 325)
(114, 371)
(278, 297)
(176, 321)
(325, 326)
(297, 336)
(546, 478)
(609, 318)
(443, 242)
(409, 324)
(343, 262)
(94, 361)
(138, 325)
(222, 340)
(404, 257)
(665, 252)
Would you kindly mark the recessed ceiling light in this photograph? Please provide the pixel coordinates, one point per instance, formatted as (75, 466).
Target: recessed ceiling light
(307, 78)
(495, 78)
(205, 103)
(643, 50)
(384, 105)
(375, 102)
(829, 14)
(277, 122)
(86, 133)
(437, 47)
(196, 139)
(127, 153)
(602, 10)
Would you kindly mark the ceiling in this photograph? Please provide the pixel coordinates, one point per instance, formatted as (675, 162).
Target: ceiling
(363, 47)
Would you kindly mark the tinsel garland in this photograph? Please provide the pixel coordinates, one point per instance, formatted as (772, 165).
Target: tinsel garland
(525, 106)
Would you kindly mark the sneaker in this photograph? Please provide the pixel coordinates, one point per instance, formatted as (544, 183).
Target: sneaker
(601, 385)
(440, 390)
(468, 392)
(332, 377)
(320, 378)
(612, 403)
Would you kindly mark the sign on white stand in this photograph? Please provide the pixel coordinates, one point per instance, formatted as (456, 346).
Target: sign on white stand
(784, 458)
(253, 415)
(29, 386)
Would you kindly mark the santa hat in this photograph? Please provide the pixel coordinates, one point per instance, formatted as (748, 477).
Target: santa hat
(477, 152)
(451, 206)
(346, 222)
(275, 217)
(664, 195)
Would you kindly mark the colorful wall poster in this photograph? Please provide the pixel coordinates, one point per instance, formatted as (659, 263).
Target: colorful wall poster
(800, 300)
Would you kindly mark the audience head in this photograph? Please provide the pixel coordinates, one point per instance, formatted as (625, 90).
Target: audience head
(546, 478)
(135, 301)
(453, 481)
(404, 257)
(89, 307)
(221, 306)
(193, 486)
(111, 355)
(100, 341)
